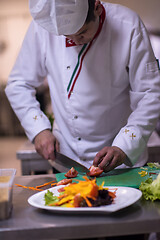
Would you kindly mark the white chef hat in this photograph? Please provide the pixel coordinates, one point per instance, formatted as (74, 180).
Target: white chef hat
(61, 17)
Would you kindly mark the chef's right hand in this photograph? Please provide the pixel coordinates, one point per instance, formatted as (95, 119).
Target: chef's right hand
(45, 144)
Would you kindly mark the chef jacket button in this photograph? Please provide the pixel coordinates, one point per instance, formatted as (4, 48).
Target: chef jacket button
(75, 117)
(79, 139)
(68, 67)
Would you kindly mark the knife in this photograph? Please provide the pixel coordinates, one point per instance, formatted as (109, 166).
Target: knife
(64, 163)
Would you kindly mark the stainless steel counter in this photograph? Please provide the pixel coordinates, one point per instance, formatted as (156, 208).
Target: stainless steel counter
(27, 222)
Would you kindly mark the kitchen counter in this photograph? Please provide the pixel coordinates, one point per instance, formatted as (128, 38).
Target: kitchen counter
(27, 222)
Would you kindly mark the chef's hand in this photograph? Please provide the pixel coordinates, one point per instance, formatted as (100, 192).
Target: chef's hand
(45, 143)
(109, 158)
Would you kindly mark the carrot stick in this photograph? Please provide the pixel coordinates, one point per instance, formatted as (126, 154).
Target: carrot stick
(32, 188)
(94, 198)
(112, 189)
(86, 178)
(62, 196)
(45, 184)
(87, 201)
(20, 185)
(112, 194)
(53, 184)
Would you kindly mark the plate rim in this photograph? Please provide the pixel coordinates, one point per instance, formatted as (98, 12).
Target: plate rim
(107, 209)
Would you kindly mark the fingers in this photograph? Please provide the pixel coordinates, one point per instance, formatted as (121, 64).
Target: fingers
(108, 161)
(57, 146)
(46, 149)
(45, 144)
(109, 158)
(100, 156)
(50, 151)
(112, 164)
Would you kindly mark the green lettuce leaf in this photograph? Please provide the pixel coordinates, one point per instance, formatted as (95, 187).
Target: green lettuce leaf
(154, 165)
(50, 198)
(151, 188)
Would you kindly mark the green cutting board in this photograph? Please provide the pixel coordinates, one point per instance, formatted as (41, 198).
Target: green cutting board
(119, 177)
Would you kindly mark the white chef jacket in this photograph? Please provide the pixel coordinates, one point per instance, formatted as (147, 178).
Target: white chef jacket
(115, 100)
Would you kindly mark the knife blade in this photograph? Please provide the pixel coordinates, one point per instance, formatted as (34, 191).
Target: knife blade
(67, 163)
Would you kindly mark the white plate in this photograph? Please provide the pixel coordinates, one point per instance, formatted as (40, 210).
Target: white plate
(125, 196)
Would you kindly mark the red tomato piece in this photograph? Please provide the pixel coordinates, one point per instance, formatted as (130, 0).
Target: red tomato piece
(72, 173)
(64, 182)
(61, 189)
(94, 171)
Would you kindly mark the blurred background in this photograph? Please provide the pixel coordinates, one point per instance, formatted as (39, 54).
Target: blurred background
(14, 21)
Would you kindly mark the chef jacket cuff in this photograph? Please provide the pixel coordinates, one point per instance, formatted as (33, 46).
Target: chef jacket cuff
(130, 141)
(35, 122)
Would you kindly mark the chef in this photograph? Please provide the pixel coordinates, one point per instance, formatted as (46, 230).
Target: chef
(103, 78)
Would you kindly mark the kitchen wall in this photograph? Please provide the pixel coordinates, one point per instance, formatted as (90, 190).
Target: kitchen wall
(149, 10)
(14, 20)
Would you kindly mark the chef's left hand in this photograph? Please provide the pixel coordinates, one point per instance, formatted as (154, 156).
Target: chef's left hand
(109, 158)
